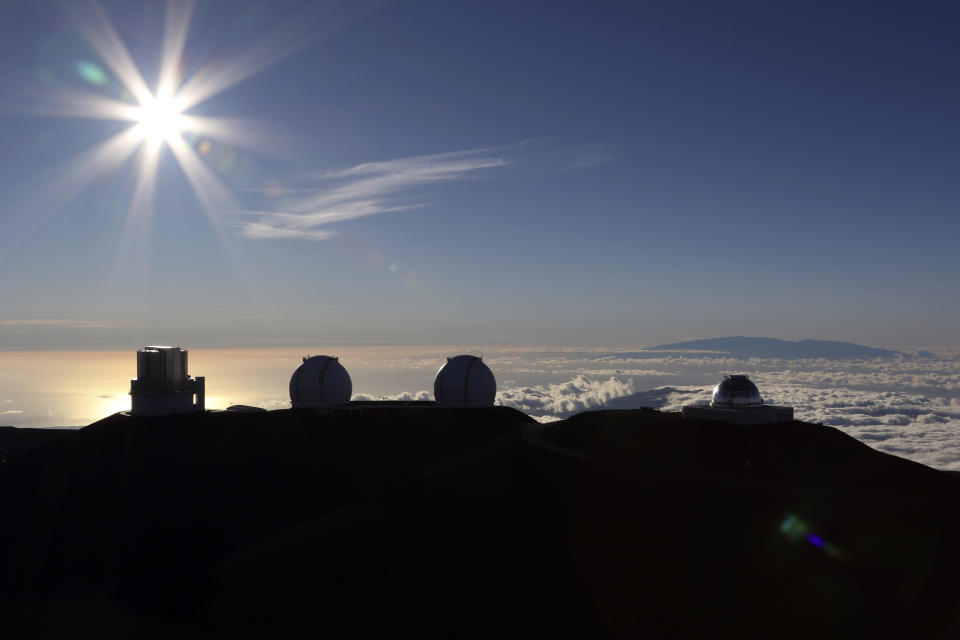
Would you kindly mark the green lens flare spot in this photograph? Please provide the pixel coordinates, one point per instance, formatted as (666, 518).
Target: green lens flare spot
(92, 73)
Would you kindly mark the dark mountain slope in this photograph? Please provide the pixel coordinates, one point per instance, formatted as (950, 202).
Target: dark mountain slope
(15, 442)
(476, 523)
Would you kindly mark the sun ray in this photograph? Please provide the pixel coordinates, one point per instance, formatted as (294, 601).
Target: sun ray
(213, 196)
(176, 27)
(73, 176)
(81, 170)
(144, 189)
(215, 79)
(75, 103)
(93, 24)
(133, 249)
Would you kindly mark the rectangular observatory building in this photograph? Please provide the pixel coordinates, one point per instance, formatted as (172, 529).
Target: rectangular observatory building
(162, 385)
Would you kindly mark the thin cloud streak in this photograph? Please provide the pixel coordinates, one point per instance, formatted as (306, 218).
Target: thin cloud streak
(63, 322)
(366, 189)
(407, 164)
(260, 231)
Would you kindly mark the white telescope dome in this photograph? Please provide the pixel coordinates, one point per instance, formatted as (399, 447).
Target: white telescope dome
(320, 381)
(465, 381)
(736, 391)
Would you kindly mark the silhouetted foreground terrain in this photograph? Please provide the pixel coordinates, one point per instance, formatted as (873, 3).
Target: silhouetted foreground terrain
(15, 442)
(474, 523)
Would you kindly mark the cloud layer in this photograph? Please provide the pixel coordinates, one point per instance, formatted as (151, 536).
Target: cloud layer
(567, 398)
(906, 406)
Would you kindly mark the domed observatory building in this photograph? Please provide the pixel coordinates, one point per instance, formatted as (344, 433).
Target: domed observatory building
(320, 382)
(737, 399)
(162, 385)
(736, 391)
(465, 381)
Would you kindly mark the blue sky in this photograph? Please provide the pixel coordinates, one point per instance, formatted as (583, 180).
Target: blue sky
(492, 173)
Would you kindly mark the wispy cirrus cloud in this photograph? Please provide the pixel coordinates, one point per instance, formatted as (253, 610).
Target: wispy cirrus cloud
(364, 190)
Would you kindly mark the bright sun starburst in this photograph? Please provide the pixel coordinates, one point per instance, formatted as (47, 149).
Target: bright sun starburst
(158, 119)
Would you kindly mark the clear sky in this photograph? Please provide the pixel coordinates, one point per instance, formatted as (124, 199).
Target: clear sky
(478, 173)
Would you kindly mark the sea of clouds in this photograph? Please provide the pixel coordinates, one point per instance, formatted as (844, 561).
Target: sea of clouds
(908, 405)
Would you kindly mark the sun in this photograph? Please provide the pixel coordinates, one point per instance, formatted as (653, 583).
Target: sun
(159, 118)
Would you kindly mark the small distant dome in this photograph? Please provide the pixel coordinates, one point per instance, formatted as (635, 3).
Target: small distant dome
(466, 381)
(736, 391)
(321, 381)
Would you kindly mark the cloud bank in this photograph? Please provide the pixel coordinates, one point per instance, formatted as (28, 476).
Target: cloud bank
(565, 399)
(906, 406)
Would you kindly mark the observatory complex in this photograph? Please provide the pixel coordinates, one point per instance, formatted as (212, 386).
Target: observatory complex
(162, 385)
(321, 382)
(737, 399)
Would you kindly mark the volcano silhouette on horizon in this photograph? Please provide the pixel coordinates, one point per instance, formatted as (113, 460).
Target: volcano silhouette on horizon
(749, 347)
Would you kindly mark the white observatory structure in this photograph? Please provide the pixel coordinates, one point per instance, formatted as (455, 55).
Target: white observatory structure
(465, 381)
(162, 385)
(737, 399)
(320, 382)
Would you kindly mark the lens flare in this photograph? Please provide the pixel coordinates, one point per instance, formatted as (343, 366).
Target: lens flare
(92, 73)
(796, 530)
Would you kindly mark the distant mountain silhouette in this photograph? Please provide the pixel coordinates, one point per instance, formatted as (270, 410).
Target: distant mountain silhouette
(746, 347)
